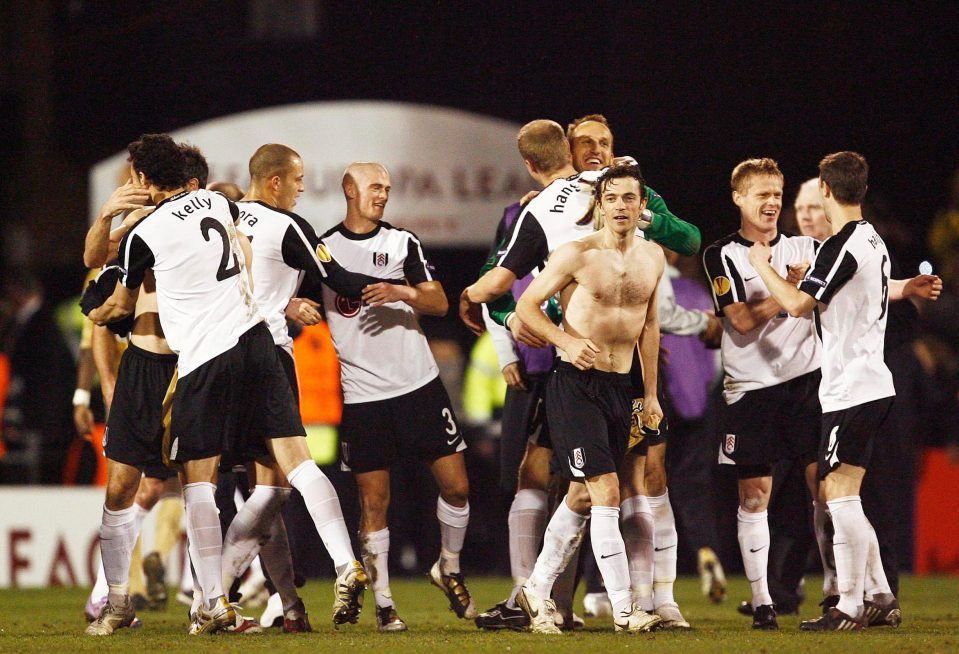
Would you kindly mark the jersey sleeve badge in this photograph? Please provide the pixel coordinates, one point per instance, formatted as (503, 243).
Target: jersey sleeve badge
(721, 285)
(323, 253)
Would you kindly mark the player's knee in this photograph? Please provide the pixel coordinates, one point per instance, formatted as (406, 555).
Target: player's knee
(754, 503)
(119, 495)
(534, 474)
(655, 481)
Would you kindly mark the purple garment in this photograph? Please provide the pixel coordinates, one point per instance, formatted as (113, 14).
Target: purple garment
(691, 366)
(535, 360)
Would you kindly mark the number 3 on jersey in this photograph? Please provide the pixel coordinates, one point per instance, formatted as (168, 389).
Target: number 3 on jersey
(450, 424)
(222, 272)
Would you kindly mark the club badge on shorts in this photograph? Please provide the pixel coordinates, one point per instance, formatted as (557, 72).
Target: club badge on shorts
(729, 445)
(579, 458)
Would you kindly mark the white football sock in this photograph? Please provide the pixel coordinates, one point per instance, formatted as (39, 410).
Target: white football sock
(275, 555)
(565, 585)
(752, 530)
(851, 548)
(876, 582)
(564, 533)
(527, 522)
(250, 529)
(665, 544)
(376, 556)
(203, 530)
(610, 552)
(100, 587)
(118, 534)
(636, 519)
(324, 507)
(820, 520)
(453, 522)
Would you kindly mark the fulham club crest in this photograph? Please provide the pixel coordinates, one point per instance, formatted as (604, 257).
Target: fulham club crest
(380, 258)
(729, 445)
(579, 459)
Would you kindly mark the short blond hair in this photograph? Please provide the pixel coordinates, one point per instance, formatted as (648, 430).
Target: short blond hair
(543, 143)
(751, 168)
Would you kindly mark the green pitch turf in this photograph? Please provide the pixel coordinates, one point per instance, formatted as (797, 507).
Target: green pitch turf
(51, 621)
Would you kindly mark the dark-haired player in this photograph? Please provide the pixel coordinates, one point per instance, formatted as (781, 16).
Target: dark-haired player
(607, 285)
(231, 384)
(849, 286)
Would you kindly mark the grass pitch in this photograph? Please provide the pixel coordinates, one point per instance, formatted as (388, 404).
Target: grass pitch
(51, 621)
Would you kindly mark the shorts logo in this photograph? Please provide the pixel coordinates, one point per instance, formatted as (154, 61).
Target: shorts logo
(815, 280)
(579, 458)
(106, 433)
(348, 307)
(323, 253)
(721, 285)
(174, 447)
(832, 450)
(380, 258)
(729, 445)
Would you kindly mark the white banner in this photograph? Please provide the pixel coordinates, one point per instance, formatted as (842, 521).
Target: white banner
(49, 536)
(452, 171)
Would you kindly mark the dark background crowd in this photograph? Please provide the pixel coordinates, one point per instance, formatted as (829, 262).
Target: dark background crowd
(689, 91)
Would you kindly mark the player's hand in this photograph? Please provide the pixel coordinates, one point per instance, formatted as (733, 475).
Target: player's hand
(712, 336)
(796, 272)
(83, 420)
(652, 413)
(471, 313)
(925, 286)
(581, 352)
(134, 216)
(125, 198)
(523, 334)
(526, 198)
(625, 160)
(381, 293)
(759, 254)
(513, 374)
(303, 310)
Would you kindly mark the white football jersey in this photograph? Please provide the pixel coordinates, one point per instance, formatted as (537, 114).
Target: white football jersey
(781, 349)
(850, 278)
(286, 249)
(382, 350)
(547, 221)
(203, 294)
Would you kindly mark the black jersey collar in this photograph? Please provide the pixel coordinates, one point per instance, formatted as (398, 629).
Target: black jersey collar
(739, 238)
(353, 236)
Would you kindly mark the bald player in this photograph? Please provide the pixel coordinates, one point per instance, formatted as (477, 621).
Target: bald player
(285, 250)
(810, 215)
(394, 402)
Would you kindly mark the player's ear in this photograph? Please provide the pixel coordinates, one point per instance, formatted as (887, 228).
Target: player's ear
(737, 199)
(824, 188)
(275, 182)
(530, 167)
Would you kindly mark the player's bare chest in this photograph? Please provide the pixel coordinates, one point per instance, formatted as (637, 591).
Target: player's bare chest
(613, 279)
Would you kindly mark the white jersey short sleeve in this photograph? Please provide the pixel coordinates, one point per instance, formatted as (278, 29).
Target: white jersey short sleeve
(781, 349)
(382, 350)
(850, 279)
(203, 294)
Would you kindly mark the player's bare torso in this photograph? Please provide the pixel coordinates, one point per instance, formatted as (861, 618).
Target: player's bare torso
(607, 300)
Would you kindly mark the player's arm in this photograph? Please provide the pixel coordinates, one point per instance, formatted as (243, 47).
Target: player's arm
(648, 346)
(104, 347)
(96, 248)
(137, 257)
(927, 287)
(82, 415)
(247, 248)
(796, 302)
(558, 273)
(667, 229)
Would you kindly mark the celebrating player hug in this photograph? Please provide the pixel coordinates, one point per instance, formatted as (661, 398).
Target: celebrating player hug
(577, 290)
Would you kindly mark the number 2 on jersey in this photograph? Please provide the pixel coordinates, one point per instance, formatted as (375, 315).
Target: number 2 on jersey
(222, 272)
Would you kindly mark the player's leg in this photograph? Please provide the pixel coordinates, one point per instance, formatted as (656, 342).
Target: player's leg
(752, 529)
(374, 496)
(636, 518)
(148, 494)
(169, 515)
(665, 538)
